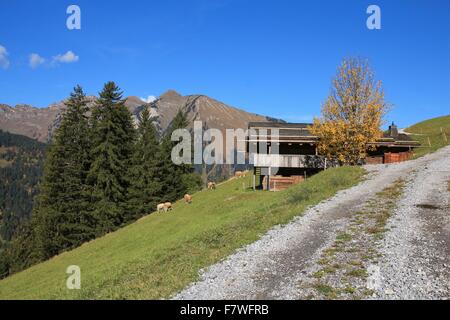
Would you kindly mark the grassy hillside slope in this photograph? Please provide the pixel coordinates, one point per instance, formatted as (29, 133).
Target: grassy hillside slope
(161, 253)
(430, 134)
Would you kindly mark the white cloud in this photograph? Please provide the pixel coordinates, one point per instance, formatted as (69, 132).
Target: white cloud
(4, 62)
(35, 60)
(149, 99)
(68, 57)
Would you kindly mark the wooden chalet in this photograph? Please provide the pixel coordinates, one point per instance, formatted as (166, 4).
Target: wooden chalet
(283, 154)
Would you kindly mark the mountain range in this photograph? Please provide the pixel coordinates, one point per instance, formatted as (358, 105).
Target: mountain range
(40, 123)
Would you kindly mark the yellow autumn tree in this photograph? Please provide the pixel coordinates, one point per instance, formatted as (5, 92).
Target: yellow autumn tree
(352, 115)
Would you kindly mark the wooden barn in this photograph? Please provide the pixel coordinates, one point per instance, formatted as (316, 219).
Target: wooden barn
(283, 154)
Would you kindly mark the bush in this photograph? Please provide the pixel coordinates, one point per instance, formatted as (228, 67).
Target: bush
(192, 182)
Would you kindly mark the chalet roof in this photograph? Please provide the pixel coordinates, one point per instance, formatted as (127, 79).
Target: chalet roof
(286, 131)
(399, 137)
(299, 132)
(279, 125)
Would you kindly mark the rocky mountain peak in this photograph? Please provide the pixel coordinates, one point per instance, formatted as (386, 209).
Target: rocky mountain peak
(39, 123)
(171, 94)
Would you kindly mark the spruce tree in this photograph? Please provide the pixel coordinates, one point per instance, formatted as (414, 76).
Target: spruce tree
(61, 217)
(113, 136)
(146, 188)
(176, 178)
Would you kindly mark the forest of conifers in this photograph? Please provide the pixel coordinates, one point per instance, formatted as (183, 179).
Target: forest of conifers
(101, 172)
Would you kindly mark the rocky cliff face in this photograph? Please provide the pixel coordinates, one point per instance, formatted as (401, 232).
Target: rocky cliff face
(39, 123)
(213, 113)
(28, 121)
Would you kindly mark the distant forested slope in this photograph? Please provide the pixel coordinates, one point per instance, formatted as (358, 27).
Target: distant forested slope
(21, 161)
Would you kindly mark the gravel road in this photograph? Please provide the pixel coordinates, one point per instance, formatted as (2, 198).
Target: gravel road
(414, 254)
(415, 260)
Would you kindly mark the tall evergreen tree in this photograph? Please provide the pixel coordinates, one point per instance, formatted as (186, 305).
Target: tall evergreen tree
(146, 188)
(62, 219)
(177, 179)
(113, 136)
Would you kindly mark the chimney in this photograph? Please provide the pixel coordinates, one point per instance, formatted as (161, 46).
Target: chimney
(393, 131)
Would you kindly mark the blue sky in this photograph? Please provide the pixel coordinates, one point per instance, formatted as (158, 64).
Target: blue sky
(270, 57)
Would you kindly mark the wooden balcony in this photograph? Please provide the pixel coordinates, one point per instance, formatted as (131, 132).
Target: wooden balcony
(288, 161)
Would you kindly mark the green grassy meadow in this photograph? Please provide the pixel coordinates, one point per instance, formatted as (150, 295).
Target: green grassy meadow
(430, 134)
(160, 254)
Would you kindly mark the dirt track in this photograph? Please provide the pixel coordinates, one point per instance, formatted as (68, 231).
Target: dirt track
(411, 260)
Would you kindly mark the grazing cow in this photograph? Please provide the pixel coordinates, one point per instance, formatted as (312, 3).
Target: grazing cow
(187, 198)
(164, 207)
(168, 206)
(211, 186)
(239, 174)
(161, 207)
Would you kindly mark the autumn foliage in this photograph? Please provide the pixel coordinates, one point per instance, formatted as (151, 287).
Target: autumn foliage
(352, 115)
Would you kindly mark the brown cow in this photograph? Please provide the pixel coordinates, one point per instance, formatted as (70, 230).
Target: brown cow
(187, 198)
(239, 174)
(211, 186)
(168, 206)
(160, 207)
(164, 207)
